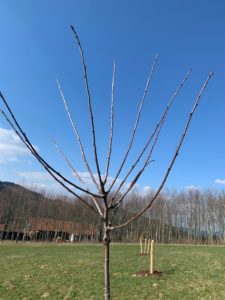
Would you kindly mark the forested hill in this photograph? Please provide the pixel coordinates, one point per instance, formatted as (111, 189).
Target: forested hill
(18, 200)
(6, 186)
(13, 189)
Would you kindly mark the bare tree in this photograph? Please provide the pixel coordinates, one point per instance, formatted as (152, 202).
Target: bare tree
(106, 201)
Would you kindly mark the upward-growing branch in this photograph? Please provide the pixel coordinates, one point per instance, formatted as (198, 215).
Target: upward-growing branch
(78, 177)
(77, 135)
(136, 123)
(111, 125)
(155, 131)
(141, 212)
(89, 109)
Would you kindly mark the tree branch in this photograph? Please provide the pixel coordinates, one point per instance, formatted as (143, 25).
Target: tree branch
(136, 122)
(155, 131)
(77, 136)
(172, 161)
(111, 126)
(78, 177)
(89, 108)
(33, 152)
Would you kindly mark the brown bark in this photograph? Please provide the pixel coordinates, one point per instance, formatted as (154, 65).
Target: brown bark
(106, 242)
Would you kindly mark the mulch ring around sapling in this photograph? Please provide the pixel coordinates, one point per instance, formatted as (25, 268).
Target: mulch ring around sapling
(147, 273)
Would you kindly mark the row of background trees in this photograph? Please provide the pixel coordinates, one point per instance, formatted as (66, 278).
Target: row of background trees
(176, 217)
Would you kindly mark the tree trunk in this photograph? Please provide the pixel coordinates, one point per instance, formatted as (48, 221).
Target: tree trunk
(106, 242)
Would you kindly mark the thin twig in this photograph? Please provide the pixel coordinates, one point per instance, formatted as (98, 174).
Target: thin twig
(172, 161)
(156, 132)
(69, 163)
(89, 108)
(111, 126)
(77, 135)
(78, 176)
(136, 122)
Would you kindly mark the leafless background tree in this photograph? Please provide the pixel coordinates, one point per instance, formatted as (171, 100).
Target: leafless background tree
(190, 217)
(108, 197)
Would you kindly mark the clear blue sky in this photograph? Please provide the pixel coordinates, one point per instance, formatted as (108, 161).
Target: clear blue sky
(37, 47)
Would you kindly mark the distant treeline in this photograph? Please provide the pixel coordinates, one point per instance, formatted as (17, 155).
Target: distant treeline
(176, 217)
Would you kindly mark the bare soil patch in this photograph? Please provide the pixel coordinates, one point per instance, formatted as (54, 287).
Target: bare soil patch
(147, 273)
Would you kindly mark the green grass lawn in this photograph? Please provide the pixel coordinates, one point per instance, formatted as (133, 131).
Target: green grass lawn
(53, 271)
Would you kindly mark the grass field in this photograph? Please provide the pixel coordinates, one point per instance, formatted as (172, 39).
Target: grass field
(53, 271)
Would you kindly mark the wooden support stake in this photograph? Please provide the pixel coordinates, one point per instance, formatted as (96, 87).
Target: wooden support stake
(141, 244)
(148, 246)
(145, 246)
(152, 258)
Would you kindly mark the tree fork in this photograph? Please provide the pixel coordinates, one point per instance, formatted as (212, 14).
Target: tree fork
(101, 184)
